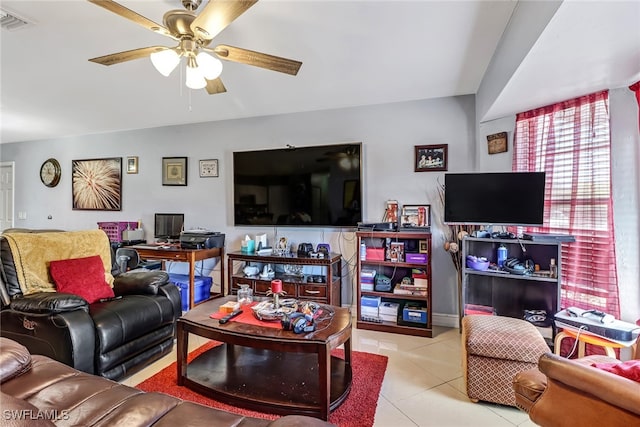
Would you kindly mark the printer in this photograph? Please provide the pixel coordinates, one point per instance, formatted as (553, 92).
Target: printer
(201, 239)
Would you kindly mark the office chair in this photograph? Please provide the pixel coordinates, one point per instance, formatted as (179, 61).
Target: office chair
(127, 258)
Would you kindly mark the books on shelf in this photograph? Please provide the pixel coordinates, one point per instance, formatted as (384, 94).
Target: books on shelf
(410, 290)
(368, 287)
(420, 283)
(367, 277)
(367, 273)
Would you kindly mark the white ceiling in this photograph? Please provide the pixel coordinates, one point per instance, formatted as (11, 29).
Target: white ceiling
(353, 53)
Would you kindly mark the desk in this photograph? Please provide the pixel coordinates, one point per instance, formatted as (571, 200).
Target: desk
(185, 255)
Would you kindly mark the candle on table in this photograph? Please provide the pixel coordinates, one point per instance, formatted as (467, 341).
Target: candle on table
(276, 286)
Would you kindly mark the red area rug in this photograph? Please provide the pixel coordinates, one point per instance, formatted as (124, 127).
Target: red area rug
(358, 410)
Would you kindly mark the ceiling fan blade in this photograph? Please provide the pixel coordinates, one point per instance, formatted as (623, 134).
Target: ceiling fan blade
(128, 55)
(215, 86)
(129, 14)
(258, 59)
(216, 16)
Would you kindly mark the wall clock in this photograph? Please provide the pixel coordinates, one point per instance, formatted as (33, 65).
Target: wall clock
(50, 172)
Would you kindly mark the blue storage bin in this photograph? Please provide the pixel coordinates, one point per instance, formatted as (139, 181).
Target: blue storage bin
(202, 285)
(414, 314)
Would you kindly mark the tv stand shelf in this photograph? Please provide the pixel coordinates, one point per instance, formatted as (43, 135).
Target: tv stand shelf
(507, 294)
(296, 286)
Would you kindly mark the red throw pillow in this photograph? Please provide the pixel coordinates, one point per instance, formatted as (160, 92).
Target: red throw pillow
(81, 276)
(629, 369)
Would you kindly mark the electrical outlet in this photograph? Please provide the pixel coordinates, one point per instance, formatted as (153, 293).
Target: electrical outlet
(22, 215)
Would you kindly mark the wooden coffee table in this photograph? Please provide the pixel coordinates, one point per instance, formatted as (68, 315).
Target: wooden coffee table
(267, 369)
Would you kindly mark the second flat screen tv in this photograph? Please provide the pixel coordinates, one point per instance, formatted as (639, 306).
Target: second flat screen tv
(508, 198)
(299, 186)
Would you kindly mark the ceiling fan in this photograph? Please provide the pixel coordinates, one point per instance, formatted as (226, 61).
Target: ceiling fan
(194, 33)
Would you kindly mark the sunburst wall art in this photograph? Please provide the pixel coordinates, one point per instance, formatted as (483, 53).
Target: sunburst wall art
(97, 184)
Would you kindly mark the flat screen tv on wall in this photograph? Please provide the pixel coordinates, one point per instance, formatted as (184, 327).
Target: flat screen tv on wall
(508, 198)
(317, 186)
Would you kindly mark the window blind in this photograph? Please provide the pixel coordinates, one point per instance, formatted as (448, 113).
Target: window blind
(570, 141)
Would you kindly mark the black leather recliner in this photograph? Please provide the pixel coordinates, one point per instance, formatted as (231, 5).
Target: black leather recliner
(112, 339)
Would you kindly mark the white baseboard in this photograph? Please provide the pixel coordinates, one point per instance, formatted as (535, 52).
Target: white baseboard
(446, 320)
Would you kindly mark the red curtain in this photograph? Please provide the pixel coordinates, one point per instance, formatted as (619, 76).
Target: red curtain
(636, 88)
(570, 142)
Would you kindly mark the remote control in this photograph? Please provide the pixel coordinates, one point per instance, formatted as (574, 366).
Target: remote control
(230, 316)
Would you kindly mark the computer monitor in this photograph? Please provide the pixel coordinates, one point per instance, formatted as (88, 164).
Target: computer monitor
(168, 226)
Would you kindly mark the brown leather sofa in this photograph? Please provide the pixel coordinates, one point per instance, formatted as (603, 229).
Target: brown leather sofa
(39, 391)
(571, 392)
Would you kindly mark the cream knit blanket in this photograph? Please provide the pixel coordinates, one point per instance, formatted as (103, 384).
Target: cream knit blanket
(32, 253)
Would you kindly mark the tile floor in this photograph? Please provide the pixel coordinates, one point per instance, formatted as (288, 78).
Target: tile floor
(423, 384)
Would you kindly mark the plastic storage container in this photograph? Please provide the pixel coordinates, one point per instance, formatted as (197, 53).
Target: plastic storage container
(202, 285)
(114, 229)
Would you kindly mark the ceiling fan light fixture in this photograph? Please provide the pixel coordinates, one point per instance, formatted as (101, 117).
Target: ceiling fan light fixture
(165, 61)
(195, 79)
(210, 66)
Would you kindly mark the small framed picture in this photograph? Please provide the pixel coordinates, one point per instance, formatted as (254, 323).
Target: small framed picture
(497, 143)
(209, 168)
(423, 247)
(132, 164)
(174, 171)
(415, 216)
(431, 158)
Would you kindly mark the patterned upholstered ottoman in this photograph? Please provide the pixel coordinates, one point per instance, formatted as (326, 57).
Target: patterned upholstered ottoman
(494, 350)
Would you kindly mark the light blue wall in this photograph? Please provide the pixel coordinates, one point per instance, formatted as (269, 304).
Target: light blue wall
(388, 133)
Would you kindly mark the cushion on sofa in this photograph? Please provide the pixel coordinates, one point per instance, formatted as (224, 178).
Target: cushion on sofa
(14, 359)
(629, 369)
(81, 276)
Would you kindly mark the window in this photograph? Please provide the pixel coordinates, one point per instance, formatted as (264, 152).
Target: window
(570, 141)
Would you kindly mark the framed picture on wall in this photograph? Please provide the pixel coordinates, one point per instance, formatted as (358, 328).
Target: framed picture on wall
(96, 184)
(431, 158)
(132, 164)
(497, 143)
(209, 168)
(174, 171)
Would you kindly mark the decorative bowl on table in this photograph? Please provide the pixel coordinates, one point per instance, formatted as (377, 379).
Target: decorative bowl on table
(477, 263)
(267, 311)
